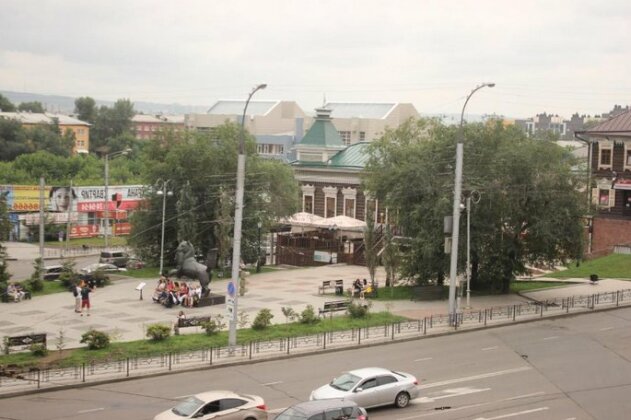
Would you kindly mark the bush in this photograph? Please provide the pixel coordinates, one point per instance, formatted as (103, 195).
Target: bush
(210, 327)
(158, 332)
(38, 350)
(357, 310)
(95, 340)
(308, 316)
(263, 319)
(34, 284)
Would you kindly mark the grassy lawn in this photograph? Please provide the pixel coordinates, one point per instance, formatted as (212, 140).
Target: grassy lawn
(524, 286)
(617, 266)
(112, 241)
(51, 287)
(187, 342)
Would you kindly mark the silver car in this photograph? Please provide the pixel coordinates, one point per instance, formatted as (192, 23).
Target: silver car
(371, 387)
(324, 410)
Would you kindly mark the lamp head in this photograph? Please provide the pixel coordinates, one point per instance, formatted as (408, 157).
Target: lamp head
(261, 86)
(490, 84)
(259, 224)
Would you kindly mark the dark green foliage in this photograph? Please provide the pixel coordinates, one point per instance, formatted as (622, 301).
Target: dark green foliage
(34, 284)
(263, 319)
(68, 278)
(6, 105)
(34, 106)
(95, 339)
(38, 350)
(308, 316)
(158, 332)
(210, 327)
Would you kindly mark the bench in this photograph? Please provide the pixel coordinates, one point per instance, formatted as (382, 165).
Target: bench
(5, 298)
(338, 286)
(334, 306)
(24, 341)
(195, 321)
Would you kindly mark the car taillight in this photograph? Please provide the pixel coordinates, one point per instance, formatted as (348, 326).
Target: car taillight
(262, 407)
(362, 417)
(415, 382)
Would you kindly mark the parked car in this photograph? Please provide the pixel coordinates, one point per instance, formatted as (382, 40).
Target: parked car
(336, 408)
(371, 387)
(134, 263)
(52, 272)
(218, 405)
(118, 258)
(103, 267)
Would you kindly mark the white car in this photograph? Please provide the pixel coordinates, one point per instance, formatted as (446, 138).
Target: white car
(371, 387)
(104, 267)
(218, 405)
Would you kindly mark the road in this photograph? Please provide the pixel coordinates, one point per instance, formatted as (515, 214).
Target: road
(22, 269)
(570, 368)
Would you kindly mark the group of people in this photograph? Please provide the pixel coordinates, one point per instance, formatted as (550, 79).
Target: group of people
(81, 294)
(169, 293)
(360, 287)
(16, 292)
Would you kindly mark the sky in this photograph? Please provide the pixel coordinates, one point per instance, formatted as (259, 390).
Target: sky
(558, 57)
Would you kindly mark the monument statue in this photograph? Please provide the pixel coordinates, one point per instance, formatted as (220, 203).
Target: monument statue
(188, 267)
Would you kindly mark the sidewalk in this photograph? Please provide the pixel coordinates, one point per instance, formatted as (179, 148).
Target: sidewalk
(118, 310)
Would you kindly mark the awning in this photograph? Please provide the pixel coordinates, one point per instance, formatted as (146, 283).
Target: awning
(622, 184)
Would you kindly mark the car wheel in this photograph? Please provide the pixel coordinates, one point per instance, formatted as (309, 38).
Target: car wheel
(402, 400)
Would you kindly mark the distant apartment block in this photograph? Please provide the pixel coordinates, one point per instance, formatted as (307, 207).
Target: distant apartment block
(146, 126)
(80, 129)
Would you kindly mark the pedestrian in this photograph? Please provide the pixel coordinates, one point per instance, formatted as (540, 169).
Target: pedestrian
(85, 299)
(76, 291)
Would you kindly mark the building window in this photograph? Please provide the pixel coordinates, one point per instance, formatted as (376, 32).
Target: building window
(349, 207)
(346, 137)
(605, 157)
(362, 136)
(603, 198)
(330, 207)
(307, 204)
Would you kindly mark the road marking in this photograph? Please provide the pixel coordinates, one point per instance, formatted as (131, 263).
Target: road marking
(90, 411)
(272, 383)
(455, 392)
(181, 397)
(534, 394)
(472, 378)
(489, 348)
(606, 329)
(519, 413)
(551, 338)
(423, 359)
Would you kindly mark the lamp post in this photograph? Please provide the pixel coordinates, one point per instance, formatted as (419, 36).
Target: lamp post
(453, 269)
(258, 256)
(164, 193)
(106, 212)
(238, 220)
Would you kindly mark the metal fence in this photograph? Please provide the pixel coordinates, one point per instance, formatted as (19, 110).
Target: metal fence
(36, 379)
(78, 251)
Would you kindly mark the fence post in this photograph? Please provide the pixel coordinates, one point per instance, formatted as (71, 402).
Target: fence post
(38, 378)
(485, 310)
(418, 326)
(170, 360)
(431, 321)
(83, 372)
(425, 326)
(324, 340)
(617, 297)
(392, 332)
(210, 358)
(359, 335)
(288, 345)
(127, 362)
(541, 305)
(567, 307)
(514, 311)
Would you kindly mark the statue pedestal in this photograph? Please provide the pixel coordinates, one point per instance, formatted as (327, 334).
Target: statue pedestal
(211, 299)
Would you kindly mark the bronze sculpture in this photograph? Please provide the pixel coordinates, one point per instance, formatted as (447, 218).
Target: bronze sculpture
(188, 267)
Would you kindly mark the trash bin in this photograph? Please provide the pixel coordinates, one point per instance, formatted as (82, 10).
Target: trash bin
(339, 290)
(593, 278)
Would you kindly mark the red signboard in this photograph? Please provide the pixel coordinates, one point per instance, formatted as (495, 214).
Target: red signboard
(93, 206)
(84, 231)
(114, 214)
(122, 228)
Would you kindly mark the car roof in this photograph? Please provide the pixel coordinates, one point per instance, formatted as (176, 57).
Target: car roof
(370, 371)
(311, 407)
(49, 267)
(214, 395)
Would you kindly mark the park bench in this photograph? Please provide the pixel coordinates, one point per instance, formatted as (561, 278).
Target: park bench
(338, 286)
(195, 321)
(334, 306)
(24, 341)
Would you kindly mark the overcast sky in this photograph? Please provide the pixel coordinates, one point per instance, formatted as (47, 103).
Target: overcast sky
(555, 56)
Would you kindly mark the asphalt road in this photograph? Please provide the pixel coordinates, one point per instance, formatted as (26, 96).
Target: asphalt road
(570, 368)
(22, 269)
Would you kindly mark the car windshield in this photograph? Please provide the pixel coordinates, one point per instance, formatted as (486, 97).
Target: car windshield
(346, 382)
(187, 407)
(291, 414)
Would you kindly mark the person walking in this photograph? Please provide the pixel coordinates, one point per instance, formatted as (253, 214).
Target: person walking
(85, 299)
(76, 291)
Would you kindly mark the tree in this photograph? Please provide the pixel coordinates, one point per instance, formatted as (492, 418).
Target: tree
(5, 223)
(530, 211)
(390, 258)
(186, 225)
(34, 106)
(111, 123)
(85, 109)
(6, 105)
(370, 246)
(223, 228)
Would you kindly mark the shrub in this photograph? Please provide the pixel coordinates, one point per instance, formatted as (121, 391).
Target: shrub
(357, 310)
(210, 327)
(308, 316)
(263, 319)
(34, 284)
(158, 332)
(95, 339)
(38, 350)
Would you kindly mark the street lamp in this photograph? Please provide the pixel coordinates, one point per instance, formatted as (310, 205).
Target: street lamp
(258, 256)
(238, 220)
(106, 220)
(164, 193)
(453, 269)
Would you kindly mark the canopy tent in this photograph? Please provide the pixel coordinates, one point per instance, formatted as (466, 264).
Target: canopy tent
(341, 223)
(302, 219)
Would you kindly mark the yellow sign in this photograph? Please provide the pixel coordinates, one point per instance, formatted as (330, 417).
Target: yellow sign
(25, 197)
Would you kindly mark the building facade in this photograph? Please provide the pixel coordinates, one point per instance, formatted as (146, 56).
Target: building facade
(147, 126)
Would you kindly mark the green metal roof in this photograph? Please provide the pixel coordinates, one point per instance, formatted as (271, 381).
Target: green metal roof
(322, 133)
(355, 155)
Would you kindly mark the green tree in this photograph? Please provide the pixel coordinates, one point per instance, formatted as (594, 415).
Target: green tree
(12, 139)
(34, 106)
(390, 258)
(187, 226)
(109, 124)
(370, 246)
(530, 211)
(85, 109)
(6, 105)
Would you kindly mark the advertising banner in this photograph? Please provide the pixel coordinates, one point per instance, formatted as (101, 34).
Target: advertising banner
(84, 231)
(23, 197)
(92, 199)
